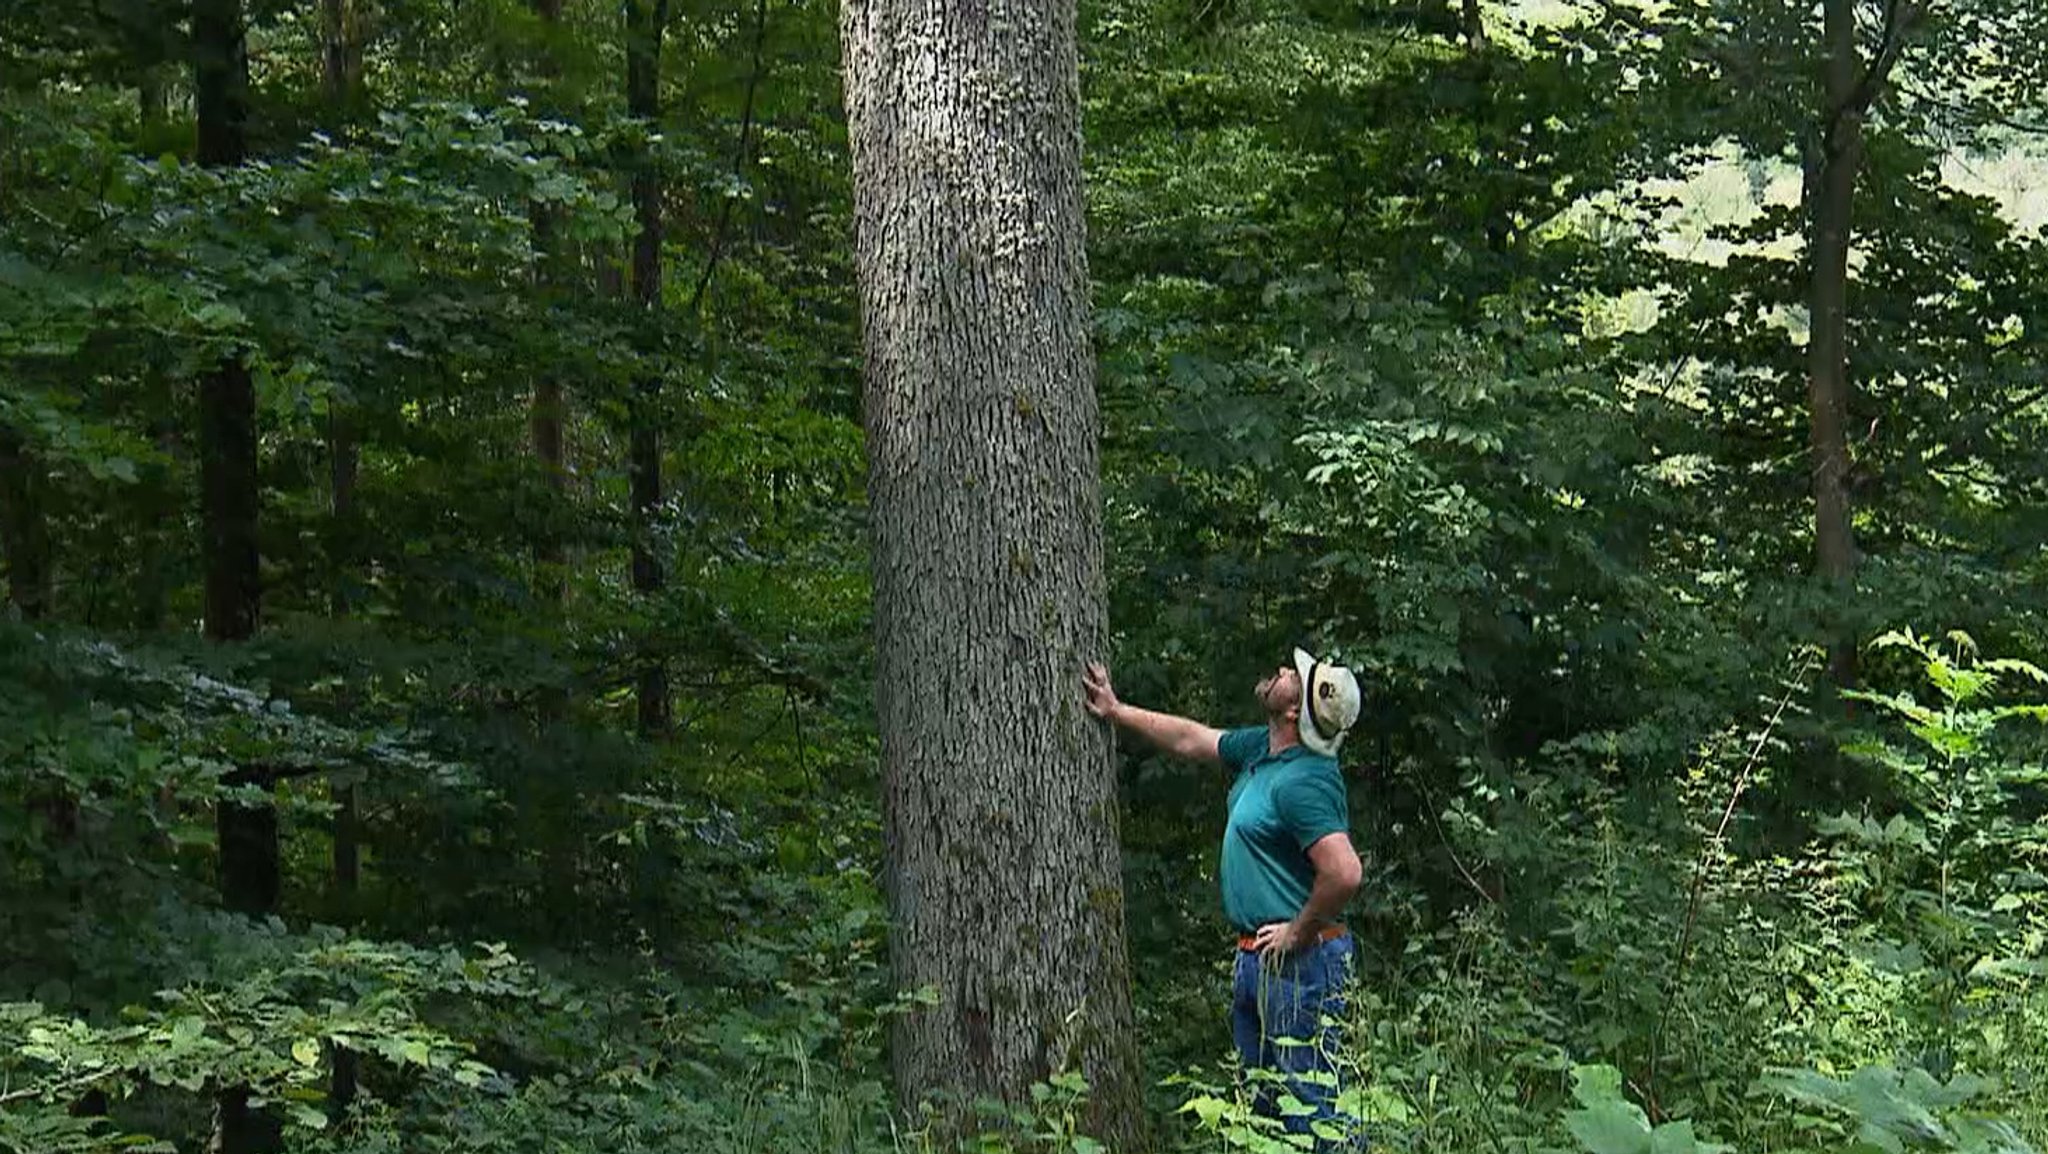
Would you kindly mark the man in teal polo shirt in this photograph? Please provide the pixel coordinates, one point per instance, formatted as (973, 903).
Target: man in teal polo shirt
(1288, 865)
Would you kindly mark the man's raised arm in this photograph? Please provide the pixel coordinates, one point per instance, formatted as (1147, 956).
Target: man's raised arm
(1179, 736)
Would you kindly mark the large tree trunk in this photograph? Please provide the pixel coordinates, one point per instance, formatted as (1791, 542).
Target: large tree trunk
(646, 21)
(999, 792)
(249, 865)
(1833, 193)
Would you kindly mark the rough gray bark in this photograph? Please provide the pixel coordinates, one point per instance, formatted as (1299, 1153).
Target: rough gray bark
(1852, 86)
(999, 792)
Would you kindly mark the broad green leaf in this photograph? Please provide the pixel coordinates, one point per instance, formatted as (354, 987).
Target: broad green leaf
(1609, 1127)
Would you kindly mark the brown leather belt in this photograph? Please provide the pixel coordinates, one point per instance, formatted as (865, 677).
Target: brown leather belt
(1246, 941)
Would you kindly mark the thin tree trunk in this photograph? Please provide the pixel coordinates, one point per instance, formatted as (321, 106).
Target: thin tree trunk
(345, 1072)
(999, 793)
(344, 461)
(549, 408)
(1852, 85)
(1834, 195)
(249, 865)
(150, 103)
(546, 419)
(24, 528)
(25, 552)
(162, 518)
(646, 21)
(341, 83)
(341, 54)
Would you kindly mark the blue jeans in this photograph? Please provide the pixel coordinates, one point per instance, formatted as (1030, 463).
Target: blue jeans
(1291, 998)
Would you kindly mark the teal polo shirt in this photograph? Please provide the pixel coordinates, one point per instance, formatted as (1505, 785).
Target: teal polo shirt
(1280, 804)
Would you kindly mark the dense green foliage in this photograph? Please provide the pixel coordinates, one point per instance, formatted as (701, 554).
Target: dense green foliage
(1467, 342)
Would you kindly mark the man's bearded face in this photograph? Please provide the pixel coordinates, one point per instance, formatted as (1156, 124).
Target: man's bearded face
(1280, 692)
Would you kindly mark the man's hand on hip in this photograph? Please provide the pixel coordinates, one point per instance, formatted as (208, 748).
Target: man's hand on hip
(1276, 940)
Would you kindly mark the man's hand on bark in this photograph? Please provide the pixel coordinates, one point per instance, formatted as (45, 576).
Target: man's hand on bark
(1102, 700)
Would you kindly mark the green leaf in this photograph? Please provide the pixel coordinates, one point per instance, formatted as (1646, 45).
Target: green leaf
(1610, 1127)
(1206, 1108)
(1674, 1138)
(1592, 1085)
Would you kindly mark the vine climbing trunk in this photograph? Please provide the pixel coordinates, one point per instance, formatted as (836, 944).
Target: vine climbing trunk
(646, 21)
(999, 793)
(249, 862)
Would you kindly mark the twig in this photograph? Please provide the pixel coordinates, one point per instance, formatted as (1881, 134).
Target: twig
(69, 1084)
(739, 160)
(1699, 876)
(2000, 120)
(1429, 804)
(1899, 18)
(796, 713)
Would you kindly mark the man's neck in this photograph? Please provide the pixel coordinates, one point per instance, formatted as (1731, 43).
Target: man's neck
(1281, 735)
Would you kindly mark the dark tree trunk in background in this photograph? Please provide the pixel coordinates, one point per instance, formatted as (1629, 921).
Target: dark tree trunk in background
(341, 80)
(1833, 200)
(150, 103)
(1852, 86)
(549, 410)
(999, 791)
(646, 21)
(249, 867)
(25, 551)
(24, 528)
(341, 53)
(227, 446)
(344, 462)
